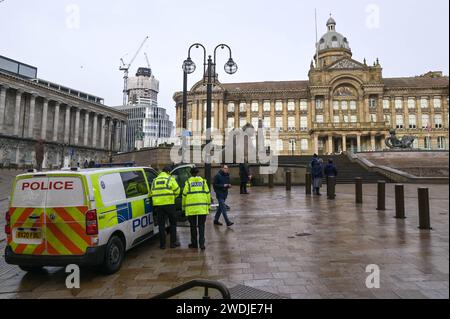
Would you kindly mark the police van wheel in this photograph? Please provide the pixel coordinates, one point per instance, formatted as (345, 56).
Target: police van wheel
(114, 255)
(32, 269)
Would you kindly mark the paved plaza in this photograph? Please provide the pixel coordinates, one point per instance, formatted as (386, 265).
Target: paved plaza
(289, 244)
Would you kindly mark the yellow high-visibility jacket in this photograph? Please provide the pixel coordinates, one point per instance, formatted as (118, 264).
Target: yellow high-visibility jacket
(196, 197)
(164, 190)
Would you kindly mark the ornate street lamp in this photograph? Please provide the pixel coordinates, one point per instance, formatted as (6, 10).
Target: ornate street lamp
(209, 66)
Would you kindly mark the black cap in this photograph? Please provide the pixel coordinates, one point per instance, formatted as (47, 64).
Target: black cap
(195, 171)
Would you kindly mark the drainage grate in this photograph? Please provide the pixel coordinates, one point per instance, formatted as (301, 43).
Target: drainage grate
(246, 292)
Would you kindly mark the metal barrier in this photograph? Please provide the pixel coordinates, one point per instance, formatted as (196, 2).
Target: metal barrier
(207, 284)
(308, 184)
(424, 209)
(288, 180)
(381, 195)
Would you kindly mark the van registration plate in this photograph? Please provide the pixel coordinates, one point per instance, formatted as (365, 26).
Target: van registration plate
(28, 236)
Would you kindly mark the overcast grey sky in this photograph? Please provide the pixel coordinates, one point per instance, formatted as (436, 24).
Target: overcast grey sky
(271, 40)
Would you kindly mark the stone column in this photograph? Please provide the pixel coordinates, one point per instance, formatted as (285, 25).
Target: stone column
(297, 114)
(117, 138)
(330, 144)
(102, 132)
(272, 115)
(344, 143)
(249, 111)
(358, 142)
(312, 113)
(124, 137)
(316, 143)
(67, 125)
(32, 113)
(326, 107)
(94, 130)
(406, 112)
(17, 112)
(3, 90)
(44, 120)
(285, 116)
(372, 141)
(108, 133)
(77, 126)
(56, 122)
(432, 122)
(86, 128)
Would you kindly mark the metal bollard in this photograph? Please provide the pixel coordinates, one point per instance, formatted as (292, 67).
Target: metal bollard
(331, 187)
(381, 195)
(308, 183)
(399, 201)
(358, 190)
(271, 178)
(424, 209)
(288, 180)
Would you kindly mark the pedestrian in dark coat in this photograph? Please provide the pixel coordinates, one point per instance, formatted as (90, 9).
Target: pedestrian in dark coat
(317, 175)
(244, 174)
(221, 186)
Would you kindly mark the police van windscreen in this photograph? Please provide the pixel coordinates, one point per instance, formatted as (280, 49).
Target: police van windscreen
(49, 192)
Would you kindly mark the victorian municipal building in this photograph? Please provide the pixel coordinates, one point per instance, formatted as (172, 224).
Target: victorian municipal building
(346, 105)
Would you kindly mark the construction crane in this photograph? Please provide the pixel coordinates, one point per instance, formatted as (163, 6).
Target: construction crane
(125, 68)
(148, 61)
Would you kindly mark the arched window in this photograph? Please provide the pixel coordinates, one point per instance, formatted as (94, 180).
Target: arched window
(334, 42)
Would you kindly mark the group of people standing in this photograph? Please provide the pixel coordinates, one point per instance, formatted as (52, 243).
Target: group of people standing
(319, 171)
(196, 203)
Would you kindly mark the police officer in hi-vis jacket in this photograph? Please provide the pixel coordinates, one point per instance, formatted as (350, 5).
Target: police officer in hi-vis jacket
(196, 205)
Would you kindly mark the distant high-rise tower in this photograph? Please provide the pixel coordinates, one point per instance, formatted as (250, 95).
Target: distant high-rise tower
(148, 124)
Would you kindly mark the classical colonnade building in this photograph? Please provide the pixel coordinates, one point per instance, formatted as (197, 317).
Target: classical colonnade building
(73, 125)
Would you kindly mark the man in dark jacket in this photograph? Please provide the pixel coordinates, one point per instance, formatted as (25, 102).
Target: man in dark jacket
(317, 175)
(330, 169)
(221, 186)
(244, 174)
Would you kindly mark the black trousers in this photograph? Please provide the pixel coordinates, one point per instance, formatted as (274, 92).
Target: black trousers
(243, 186)
(163, 213)
(197, 221)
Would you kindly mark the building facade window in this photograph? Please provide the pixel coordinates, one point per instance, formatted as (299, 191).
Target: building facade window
(303, 123)
(231, 122)
(411, 103)
(266, 106)
(386, 104)
(353, 119)
(243, 107)
(280, 145)
(427, 143)
(352, 105)
(441, 142)
(291, 106)
(387, 119)
(255, 106)
(425, 121)
(437, 102)
(398, 103)
(319, 104)
(255, 122)
(424, 103)
(304, 144)
(267, 123)
(291, 123)
(412, 122)
(344, 105)
(399, 121)
(278, 106)
(304, 105)
(372, 103)
(346, 119)
(438, 121)
(242, 122)
(336, 105)
(319, 118)
(231, 107)
(336, 119)
(373, 118)
(279, 123)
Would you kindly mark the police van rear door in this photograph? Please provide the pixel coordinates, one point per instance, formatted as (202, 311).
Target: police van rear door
(48, 215)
